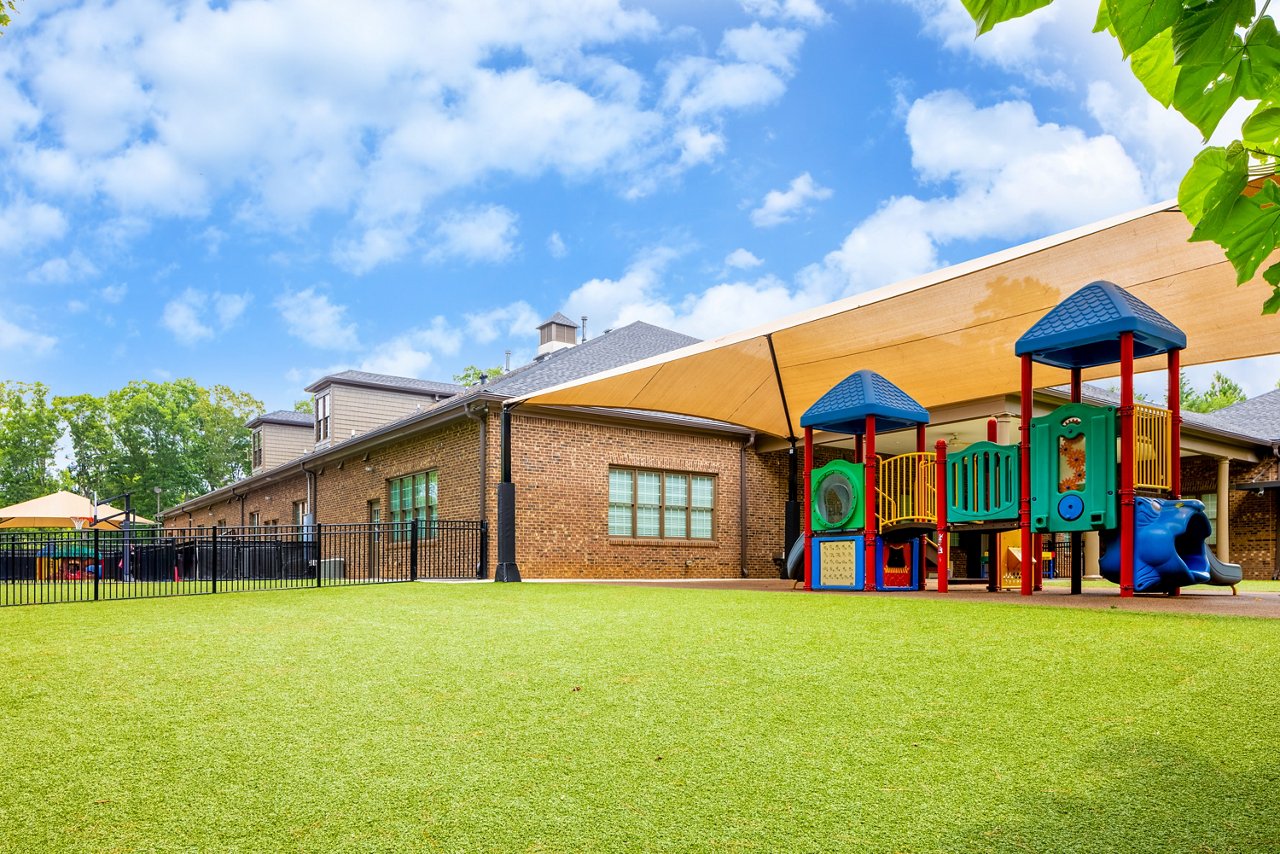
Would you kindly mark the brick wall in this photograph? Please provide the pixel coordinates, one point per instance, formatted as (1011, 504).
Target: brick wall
(1253, 517)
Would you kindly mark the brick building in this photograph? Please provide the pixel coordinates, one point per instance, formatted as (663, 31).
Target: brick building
(610, 493)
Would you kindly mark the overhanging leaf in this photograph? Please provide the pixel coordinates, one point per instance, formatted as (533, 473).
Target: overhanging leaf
(987, 13)
(1251, 230)
(1154, 67)
(1203, 33)
(1260, 62)
(1262, 129)
(1103, 21)
(1136, 22)
(1211, 188)
(1204, 93)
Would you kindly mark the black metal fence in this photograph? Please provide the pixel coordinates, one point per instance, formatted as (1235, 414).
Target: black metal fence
(38, 567)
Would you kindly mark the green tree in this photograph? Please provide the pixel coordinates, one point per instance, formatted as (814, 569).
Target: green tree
(6, 6)
(1222, 391)
(471, 375)
(178, 435)
(306, 404)
(1201, 57)
(29, 434)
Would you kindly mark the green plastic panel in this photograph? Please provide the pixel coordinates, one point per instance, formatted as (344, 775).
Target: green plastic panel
(837, 492)
(982, 483)
(1073, 469)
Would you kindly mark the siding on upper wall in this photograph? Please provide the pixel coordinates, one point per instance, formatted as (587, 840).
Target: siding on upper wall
(361, 409)
(282, 443)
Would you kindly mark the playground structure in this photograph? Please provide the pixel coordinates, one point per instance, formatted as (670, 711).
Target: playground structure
(1077, 469)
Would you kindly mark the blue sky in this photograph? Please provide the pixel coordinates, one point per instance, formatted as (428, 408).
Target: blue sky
(257, 193)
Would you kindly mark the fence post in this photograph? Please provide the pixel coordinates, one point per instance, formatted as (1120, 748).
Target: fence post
(97, 563)
(213, 561)
(482, 571)
(413, 550)
(319, 556)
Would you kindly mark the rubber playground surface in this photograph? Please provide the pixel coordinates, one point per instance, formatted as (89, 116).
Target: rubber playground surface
(1215, 601)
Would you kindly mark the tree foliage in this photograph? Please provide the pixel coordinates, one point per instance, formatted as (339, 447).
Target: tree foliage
(6, 6)
(471, 375)
(1223, 391)
(29, 434)
(1201, 57)
(306, 404)
(176, 435)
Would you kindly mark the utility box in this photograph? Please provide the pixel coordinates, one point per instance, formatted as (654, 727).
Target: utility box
(1073, 469)
(836, 494)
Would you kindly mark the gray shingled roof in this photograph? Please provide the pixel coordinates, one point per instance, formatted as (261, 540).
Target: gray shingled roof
(558, 318)
(283, 416)
(1260, 416)
(613, 349)
(408, 384)
(1246, 427)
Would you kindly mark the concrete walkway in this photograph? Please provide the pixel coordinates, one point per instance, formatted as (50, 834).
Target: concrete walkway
(1216, 601)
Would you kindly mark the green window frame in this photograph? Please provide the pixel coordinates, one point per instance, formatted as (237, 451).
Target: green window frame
(414, 497)
(667, 505)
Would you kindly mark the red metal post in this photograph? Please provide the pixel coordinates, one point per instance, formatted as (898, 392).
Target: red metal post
(944, 557)
(1126, 464)
(1174, 402)
(857, 450)
(871, 511)
(1024, 469)
(993, 429)
(1076, 385)
(919, 438)
(808, 509)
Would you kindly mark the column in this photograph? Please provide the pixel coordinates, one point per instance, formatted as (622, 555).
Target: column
(1224, 522)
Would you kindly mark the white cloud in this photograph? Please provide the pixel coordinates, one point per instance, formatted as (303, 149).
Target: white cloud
(555, 246)
(774, 48)
(76, 306)
(311, 317)
(186, 315)
(515, 320)
(26, 225)
(804, 11)
(639, 295)
(73, 268)
(19, 339)
(280, 111)
(741, 259)
(376, 246)
(1010, 177)
(411, 354)
(182, 317)
(781, 206)
(479, 234)
(698, 146)
(114, 294)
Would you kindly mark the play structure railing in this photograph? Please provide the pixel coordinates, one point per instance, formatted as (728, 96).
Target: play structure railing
(1151, 437)
(982, 483)
(906, 489)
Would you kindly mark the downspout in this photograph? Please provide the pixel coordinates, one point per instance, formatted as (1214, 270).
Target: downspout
(742, 504)
(481, 416)
(311, 490)
(508, 569)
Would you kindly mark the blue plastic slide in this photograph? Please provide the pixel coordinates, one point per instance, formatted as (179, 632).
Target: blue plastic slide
(1169, 548)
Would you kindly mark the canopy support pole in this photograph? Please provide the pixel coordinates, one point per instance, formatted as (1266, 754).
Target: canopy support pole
(871, 510)
(507, 570)
(1077, 538)
(1024, 465)
(1174, 404)
(808, 509)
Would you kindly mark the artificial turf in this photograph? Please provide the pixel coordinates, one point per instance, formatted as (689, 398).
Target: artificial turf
(591, 718)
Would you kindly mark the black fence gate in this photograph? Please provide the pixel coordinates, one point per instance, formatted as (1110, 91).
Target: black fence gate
(38, 567)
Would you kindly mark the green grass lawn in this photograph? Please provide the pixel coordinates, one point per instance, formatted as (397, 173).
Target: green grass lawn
(580, 718)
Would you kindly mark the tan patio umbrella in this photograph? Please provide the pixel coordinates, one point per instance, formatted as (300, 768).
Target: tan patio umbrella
(62, 510)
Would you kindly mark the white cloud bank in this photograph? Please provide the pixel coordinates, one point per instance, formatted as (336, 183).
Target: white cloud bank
(195, 316)
(781, 206)
(311, 317)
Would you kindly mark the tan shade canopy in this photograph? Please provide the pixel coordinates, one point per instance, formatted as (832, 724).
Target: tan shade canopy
(948, 336)
(60, 510)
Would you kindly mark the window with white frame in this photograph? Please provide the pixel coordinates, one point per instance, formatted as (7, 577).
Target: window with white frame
(647, 504)
(299, 512)
(322, 417)
(1210, 500)
(257, 448)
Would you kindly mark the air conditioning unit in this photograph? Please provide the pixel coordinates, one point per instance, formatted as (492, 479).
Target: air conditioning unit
(333, 567)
